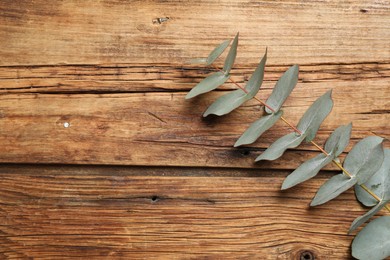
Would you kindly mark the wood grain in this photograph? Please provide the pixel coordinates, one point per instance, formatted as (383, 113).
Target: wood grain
(112, 212)
(164, 129)
(95, 32)
(124, 78)
(119, 79)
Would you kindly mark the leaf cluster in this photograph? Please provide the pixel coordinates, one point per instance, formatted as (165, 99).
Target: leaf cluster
(366, 167)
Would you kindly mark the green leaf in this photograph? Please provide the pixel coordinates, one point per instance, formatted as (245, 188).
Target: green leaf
(338, 140)
(379, 183)
(365, 158)
(308, 125)
(277, 149)
(211, 82)
(254, 83)
(362, 219)
(226, 103)
(231, 57)
(197, 61)
(361, 163)
(282, 89)
(257, 128)
(332, 188)
(335, 145)
(307, 170)
(217, 52)
(313, 117)
(373, 242)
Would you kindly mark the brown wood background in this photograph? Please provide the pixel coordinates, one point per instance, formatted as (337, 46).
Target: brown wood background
(139, 174)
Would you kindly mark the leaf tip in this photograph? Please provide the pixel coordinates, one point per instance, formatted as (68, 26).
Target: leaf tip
(258, 158)
(315, 202)
(285, 186)
(237, 143)
(189, 95)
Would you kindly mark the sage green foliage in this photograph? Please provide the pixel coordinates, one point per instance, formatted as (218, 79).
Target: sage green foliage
(231, 57)
(315, 115)
(277, 149)
(373, 242)
(282, 89)
(367, 163)
(258, 127)
(362, 219)
(218, 51)
(211, 82)
(307, 170)
(279, 94)
(362, 162)
(216, 79)
(365, 158)
(227, 103)
(308, 125)
(338, 140)
(334, 146)
(379, 183)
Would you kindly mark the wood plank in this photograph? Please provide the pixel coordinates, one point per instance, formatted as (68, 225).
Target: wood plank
(112, 212)
(164, 129)
(117, 78)
(295, 31)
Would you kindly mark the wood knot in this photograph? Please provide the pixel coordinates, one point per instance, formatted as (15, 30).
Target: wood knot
(307, 255)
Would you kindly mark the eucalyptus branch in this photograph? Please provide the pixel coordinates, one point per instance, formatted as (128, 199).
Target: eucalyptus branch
(335, 161)
(366, 167)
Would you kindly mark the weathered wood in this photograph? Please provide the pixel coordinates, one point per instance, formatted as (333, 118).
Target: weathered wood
(95, 32)
(50, 212)
(119, 80)
(116, 78)
(164, 129)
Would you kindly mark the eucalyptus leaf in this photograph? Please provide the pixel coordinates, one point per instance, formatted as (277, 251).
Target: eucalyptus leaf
(217, 52)
(362, 219)
(365, 158)
(313, 117)
(255, 81)
(332, 188)
(308, 125)
(373, 241)
(361, 163)
(227, 103)
(338, 140)
(335, 145)
(379, 184)
(277, 149)
(197, 61)
(231, 57)
(211, 82)
(282, 89)
(257, 128)
(307, 170)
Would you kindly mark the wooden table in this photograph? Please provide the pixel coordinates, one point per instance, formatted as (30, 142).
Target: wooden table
(103, 158)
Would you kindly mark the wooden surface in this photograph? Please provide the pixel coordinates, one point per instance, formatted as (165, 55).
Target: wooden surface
(139, 174)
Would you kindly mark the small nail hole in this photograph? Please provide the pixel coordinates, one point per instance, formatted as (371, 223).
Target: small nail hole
(154, 198)
(245, 152)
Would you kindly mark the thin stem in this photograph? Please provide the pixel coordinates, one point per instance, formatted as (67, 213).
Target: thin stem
(364, 187)
(314, 143)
